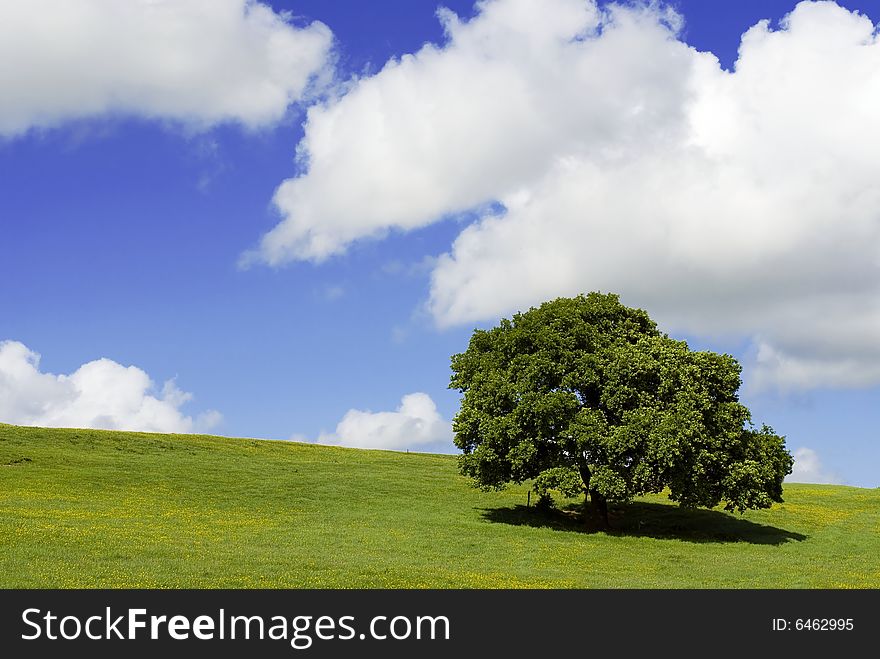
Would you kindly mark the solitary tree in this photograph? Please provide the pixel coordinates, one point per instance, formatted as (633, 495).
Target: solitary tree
(585, 395)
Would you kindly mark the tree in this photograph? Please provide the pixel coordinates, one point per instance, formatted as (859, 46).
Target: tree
(586, 395)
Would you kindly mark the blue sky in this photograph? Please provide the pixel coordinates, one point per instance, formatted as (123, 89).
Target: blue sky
(157, 224)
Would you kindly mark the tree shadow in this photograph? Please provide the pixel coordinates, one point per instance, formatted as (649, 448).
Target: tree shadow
(649, 520)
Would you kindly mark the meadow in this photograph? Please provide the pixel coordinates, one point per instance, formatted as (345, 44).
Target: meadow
(103, 509)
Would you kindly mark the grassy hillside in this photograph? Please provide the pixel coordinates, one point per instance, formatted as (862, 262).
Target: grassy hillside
(84, 508)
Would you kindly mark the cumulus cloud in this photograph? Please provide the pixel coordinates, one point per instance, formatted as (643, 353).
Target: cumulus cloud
(743, 203)
(195, 61)
(99, 394)
(808, 468)
(416, 424)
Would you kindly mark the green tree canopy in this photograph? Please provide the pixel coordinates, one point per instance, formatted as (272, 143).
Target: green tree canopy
(586, 395)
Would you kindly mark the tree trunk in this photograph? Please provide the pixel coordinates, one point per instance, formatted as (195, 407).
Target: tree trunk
(600, 508)
(595, 506)
(597, 501)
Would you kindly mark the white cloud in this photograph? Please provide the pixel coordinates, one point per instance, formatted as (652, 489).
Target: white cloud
(742, 203)
(808, 468)
(416, 424)
(99, 394)
(200, 62)
(785, 372)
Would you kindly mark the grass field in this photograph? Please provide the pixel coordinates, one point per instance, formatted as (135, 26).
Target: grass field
(85, 508)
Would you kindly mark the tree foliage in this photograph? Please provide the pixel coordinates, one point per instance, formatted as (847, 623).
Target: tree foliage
(586, 395)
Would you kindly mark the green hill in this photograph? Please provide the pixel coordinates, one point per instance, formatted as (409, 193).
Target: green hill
(86, 508)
